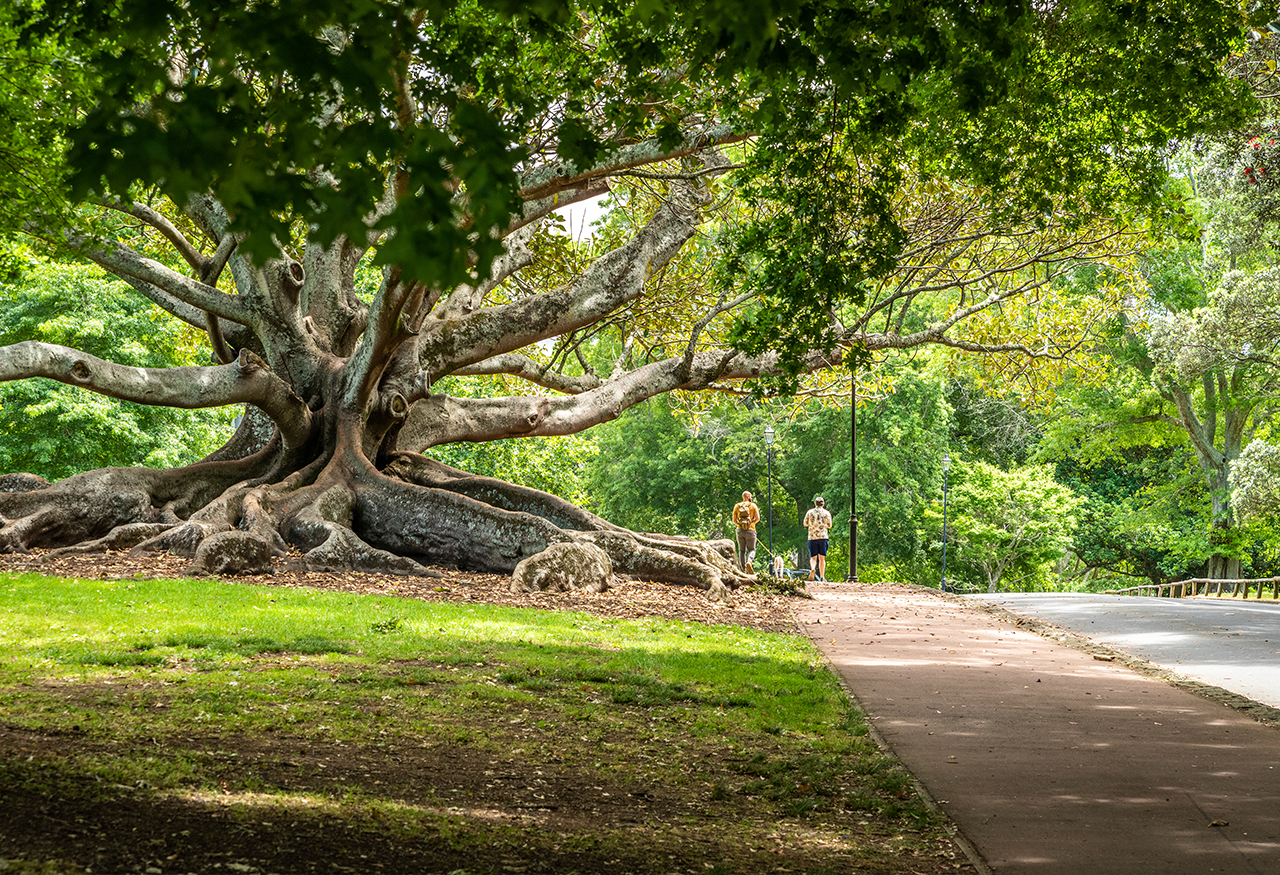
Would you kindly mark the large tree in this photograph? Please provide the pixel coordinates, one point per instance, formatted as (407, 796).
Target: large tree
(929, 161)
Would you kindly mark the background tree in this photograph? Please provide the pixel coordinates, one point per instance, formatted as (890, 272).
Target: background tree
(905, 158)
(680, 470)
(1014, 523)
(661, 468)
(1144, 514)
(54, 430)
(903, 423)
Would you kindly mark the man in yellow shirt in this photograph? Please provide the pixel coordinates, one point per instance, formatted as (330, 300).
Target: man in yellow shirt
(745, 517)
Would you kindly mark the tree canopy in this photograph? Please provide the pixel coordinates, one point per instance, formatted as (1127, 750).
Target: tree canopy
(800, 179)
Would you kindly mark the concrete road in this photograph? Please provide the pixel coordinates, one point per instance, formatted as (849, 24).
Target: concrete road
(1230, 644)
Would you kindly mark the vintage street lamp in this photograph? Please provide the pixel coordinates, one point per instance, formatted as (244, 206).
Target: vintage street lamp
(768, 441)
(946, 466)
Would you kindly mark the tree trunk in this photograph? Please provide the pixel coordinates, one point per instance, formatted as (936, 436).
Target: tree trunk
(1221, 411)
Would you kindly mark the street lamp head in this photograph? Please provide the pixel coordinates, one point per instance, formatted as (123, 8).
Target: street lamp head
(946, 462)
(768, 434)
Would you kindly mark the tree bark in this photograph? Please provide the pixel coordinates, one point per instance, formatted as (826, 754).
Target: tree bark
(1223, 415)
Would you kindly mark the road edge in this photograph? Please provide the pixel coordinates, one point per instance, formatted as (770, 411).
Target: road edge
(1259, 711)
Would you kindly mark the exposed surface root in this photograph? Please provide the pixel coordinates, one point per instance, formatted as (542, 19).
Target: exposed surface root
(445, 527)
(81, 508)
(22, 483)
(706, 565)
(119, 538)
(232, 552)
(182, 540)
(349, 519)
(413, 468)
(567, 567)
(343, 549)
(650, 563)
(323, 530)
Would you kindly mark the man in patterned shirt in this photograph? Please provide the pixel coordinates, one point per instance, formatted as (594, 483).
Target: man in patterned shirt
(745, 517)
(818, 522)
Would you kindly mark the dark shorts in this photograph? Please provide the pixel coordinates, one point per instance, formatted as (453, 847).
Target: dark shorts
(746, 539)
(819, 547)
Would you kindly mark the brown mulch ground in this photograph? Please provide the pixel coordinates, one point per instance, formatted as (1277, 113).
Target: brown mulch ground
(629, 599)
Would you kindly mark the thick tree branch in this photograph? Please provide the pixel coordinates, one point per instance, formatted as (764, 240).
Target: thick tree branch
(543, 207)
(245, 381)
(522, 366)
(443, 418)
(615, 278)
(189, 252)
(126, 263)
(566, 175)
(515, 257)
(1201, 439)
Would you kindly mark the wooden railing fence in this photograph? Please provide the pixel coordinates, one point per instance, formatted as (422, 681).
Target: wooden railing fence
(1183, 588)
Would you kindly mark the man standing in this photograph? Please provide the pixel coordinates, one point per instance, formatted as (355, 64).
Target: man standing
(818, 522)
(745, 517)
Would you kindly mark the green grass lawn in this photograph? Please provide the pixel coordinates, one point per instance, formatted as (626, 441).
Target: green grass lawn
(350, 733)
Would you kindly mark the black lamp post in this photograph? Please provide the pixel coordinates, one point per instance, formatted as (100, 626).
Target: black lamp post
(946, 466)
(853, 478)
(768, 442)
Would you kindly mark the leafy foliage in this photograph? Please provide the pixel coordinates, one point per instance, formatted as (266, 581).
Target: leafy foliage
(1141, 516)
(55, 430)
(657, 471)
(1255, 481)
(245, 100)
(555, 465)
(903, 426)
(661, 468)
(40, 90)
(1011, 109)
(1007, 522)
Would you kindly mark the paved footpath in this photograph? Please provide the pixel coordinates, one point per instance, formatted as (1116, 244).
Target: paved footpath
(1046, 758)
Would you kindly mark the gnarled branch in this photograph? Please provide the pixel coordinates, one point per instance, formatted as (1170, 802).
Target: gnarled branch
(522, 366)
(245, 381)
(125, 263)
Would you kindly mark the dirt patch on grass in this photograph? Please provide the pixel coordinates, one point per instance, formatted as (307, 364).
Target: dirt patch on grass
(532, 790)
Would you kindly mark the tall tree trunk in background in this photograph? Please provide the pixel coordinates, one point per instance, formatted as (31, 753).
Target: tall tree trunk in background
(1217, 437)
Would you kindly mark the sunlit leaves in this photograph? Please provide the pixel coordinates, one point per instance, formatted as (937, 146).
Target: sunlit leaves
(40, 89)
(1061, 115)
(1065, 323)
(1008, 521)
(56, 430)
